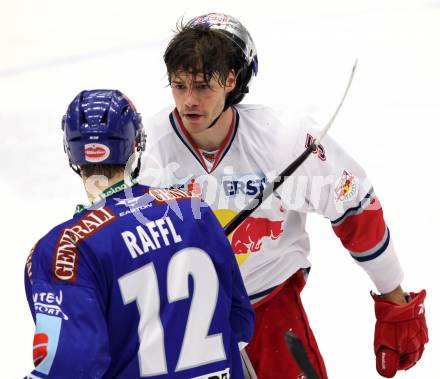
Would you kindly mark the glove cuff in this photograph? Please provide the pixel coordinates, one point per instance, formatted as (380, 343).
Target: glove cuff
(387, 311)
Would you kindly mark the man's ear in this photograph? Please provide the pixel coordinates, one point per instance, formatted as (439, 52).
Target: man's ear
(231, 82)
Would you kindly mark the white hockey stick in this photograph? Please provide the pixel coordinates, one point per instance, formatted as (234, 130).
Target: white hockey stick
(330, 122)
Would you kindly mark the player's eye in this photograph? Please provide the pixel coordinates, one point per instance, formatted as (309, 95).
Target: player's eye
(179, 86)
(202, 86)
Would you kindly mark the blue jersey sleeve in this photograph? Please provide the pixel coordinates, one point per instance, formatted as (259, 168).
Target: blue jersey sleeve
(70, 339)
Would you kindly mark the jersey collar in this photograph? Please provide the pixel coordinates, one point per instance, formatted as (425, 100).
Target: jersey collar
(177, 124)
(113, 189)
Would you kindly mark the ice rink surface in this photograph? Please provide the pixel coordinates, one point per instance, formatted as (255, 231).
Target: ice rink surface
(389, 123)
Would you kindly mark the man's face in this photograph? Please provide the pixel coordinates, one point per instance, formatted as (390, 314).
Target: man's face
(197, 101)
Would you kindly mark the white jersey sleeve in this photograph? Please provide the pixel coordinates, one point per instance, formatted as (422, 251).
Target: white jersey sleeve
(334, 185)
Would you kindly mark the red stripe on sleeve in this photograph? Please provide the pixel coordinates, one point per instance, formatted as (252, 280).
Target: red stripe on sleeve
(362, 232)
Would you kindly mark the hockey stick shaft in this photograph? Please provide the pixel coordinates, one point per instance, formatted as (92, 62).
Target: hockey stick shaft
(299, 355)
(270, 188)
(288, 171)
(330, 122)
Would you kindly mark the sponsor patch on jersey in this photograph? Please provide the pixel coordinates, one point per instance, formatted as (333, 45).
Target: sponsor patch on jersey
(245, 184)
(96, 152)
(134, 204)
(319, 151)
(49, 303)
(224, 374)
(29, 263)
(163, 195)
(346, 187)
(130, 202)
(47, 334)
(65, 259)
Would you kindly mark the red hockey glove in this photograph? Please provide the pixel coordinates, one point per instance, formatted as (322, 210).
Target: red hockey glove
(400, 333)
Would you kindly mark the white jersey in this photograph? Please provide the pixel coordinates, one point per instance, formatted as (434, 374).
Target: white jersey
(272, 244)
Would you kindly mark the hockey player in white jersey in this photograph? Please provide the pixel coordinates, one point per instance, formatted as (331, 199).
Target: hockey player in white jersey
(226, 152)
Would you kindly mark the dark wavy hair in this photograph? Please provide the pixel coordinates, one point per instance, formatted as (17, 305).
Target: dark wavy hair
(108, 170)
(203, 51)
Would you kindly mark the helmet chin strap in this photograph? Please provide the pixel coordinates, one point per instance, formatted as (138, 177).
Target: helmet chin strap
(227, 105)
(137, 169)
(140, 147)
(215, 120)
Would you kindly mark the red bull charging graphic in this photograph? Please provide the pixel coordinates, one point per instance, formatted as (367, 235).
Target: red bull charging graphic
(251, 234)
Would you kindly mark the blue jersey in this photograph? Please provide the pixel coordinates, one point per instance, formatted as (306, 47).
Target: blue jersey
(142, 284)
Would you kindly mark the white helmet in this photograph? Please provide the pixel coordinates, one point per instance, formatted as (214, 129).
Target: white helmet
(235, 30)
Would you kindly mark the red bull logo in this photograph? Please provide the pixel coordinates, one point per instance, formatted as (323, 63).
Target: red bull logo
(346, 187)
(249, 235)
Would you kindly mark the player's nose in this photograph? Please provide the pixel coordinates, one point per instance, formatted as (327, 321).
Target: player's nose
(191, 98)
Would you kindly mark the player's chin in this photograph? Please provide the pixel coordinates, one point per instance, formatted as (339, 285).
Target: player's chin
(195, 124)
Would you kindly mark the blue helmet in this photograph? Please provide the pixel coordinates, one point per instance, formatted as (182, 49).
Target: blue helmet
(101, 127)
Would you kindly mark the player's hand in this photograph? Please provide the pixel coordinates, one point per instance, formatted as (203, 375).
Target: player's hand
(400, 333)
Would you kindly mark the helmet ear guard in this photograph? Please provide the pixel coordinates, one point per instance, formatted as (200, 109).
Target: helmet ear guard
(243, 81)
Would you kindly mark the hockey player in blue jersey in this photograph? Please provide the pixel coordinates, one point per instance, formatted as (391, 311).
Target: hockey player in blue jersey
(140, 283)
